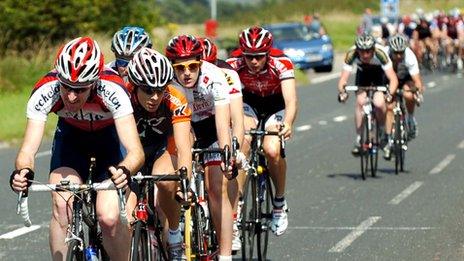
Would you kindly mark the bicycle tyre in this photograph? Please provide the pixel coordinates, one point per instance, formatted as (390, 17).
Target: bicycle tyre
(248, 225)
(364, 148)
(140, 250)
(74, 253)
(404, 144)
(266, 218)
(373, 151)
(397, 142)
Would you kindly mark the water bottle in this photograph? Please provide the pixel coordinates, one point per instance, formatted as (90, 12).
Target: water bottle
(91, 253)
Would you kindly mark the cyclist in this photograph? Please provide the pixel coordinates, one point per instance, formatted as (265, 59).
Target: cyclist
(205, 86)
(126, 42)
(269, 93)
(373, 66)
(422, 38)
(95, 118)
(406, 68)
(163, 122)
(236, 109)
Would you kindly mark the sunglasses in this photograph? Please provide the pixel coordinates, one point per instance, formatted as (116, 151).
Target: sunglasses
(192, 66)
(120, 62)
(77, 88)
(258, 57)
(150, 90)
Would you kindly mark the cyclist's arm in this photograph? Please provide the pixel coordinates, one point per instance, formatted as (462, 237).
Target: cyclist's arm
(183, 145)
(236, 114)
(129, 137)
(290, 99)
(32, 139)
(416, 78)
(222, 117)
(344, 76)
(391, 75)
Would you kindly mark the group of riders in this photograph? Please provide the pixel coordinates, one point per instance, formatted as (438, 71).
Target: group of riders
(146, 110)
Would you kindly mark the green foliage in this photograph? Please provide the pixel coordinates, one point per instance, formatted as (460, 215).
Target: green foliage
(28, 22)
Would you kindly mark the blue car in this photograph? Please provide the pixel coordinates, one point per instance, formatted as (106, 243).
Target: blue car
(306, 49)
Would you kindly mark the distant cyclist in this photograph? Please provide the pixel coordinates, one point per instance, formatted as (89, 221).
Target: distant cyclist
(163, 122)
(374, 68)
(206, 89)
(269, 94)
(95, 119)
(125, 43)
(407, 70)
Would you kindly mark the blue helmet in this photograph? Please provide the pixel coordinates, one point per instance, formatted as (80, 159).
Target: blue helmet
(129, 40)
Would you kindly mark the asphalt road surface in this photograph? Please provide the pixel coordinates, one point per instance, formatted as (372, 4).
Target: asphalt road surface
(334, 214)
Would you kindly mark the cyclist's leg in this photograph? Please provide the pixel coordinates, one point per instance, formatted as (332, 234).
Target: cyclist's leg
(361, 97)
(220, 206)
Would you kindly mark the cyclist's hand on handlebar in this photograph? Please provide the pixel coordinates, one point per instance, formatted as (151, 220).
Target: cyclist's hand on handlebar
(388, 97)
(18, 179)
(285, 129)
(119, 176)
(342, 97)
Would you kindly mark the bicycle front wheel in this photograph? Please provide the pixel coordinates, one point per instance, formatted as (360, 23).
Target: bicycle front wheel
(364, 149)
(249, 216)
(265, 217)
(140, 249)
(373, 146)
(75, 253)
(397, 143)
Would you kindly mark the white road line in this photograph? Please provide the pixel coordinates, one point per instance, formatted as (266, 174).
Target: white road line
(369, 228)
(303, 128)
(18, 232)
(445, 77)
(431, 84)
(322, 122)
(340, 118)
(405, 193)
(325, 78)
(357, 232)
(43, 153)
(442, 165)
(461, 145)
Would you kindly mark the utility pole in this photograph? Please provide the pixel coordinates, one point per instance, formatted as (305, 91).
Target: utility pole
(213, 6)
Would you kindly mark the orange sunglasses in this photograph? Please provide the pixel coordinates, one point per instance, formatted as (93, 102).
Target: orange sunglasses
(192, 66)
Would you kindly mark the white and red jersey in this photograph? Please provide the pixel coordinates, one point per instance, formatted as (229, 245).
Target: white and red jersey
(267, 82)
(211, 90)
(232, 78)
(108, 100)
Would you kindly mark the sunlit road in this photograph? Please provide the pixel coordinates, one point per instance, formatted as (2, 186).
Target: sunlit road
(334, 214)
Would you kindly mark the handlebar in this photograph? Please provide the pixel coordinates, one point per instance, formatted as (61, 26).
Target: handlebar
(366, 88)
(261, 133)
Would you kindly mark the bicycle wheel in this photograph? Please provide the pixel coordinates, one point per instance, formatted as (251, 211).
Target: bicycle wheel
(75, 253)
(397, 142)
(364, 149)
(188, 233)
(249, 216)
(265, 217)
(373, 151)
(404, 143)
(140, 249)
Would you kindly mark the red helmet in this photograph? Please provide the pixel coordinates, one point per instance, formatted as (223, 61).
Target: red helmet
(79, 62)
(255, 40)
(182, 47)
(209, 50)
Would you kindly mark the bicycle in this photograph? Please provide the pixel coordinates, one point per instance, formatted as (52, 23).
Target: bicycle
(146, 240)
(257, 198)
(83, 213)
(200, 235)
(370, 130)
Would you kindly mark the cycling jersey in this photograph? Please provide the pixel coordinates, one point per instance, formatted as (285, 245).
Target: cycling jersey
(371, 73)
(108, 100)
(233, 80)
(263, 91)
(407, 66)
(423, 31)
(210, 90)
(154, 127)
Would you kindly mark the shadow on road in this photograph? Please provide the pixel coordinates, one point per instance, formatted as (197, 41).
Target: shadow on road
(354, 176)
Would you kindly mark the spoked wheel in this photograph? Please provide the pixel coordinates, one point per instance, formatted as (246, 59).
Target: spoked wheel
(397, 143)
(140, 247)
(266, 216)
(404, 144)
(373, 148)
(74, 252)
(364, 149)
(249, 217)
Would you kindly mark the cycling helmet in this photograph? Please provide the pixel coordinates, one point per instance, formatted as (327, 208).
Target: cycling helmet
(365, 42)
(255, 40)
(398, 43)
(183, 47)
(128, 40)
(79, 62)
(150, 69)
(209, 50)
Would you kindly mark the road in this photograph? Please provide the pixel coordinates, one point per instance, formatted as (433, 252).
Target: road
(334, 214)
